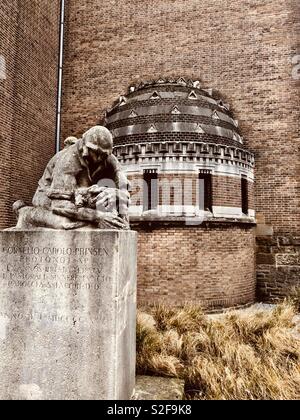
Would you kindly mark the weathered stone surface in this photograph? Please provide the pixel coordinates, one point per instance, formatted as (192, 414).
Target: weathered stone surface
(265, 259)
(158, 388)
(288, 259)
(264, 230)
(83, 185)
(278, 258)
(67, 314)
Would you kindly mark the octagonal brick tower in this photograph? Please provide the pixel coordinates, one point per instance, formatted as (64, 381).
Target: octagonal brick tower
(192, 193)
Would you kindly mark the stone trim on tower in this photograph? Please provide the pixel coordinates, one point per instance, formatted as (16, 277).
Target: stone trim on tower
(178, 130)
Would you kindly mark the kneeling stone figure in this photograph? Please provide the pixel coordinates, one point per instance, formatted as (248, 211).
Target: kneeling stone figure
(83, 186)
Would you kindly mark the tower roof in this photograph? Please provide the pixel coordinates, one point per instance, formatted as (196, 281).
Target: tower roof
(172, 110)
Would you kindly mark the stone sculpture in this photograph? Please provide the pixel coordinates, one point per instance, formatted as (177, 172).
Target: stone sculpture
(68, 290)
(83, 186)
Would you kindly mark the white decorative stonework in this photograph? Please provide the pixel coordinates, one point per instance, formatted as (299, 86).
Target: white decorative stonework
(181, 167)
(222, 211)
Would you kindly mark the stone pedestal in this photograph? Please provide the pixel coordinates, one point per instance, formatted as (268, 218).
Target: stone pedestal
(67, 314)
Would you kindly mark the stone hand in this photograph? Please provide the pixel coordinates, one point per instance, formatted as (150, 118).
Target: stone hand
(106, 197)
(94, 189)
(102, 219)
(110, 220)
(109, 196)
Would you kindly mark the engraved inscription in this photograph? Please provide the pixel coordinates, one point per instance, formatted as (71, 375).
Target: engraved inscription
(48, 266)
(29, 250)
(50, 317)
(51, 271)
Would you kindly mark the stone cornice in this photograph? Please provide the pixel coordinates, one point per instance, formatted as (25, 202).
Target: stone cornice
(188, 152)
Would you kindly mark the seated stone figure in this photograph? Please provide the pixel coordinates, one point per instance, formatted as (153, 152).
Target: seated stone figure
(83, 186)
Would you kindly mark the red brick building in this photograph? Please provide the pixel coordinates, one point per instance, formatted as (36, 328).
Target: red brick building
(29, 34)
(247, 51)
(192, 193)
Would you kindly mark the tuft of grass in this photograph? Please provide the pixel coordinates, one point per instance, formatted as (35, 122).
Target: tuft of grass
(150, 358)
(241, 355)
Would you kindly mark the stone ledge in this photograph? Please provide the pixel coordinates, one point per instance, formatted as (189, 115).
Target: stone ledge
(158, 388)
(153, 222)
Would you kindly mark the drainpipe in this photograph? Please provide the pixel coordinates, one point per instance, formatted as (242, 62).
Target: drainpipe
(60, 75)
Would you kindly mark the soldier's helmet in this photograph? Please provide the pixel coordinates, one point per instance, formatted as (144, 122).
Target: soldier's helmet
(99, 139)
(70, 141)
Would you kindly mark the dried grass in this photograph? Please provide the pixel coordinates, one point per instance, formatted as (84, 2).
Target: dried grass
(242, 355)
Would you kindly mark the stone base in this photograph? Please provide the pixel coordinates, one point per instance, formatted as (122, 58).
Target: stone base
(158, 388)
(67, 314)
(278, 266)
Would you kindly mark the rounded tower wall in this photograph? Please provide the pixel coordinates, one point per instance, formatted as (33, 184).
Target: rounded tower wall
(253, 61)
(183, 151)
(192, 193)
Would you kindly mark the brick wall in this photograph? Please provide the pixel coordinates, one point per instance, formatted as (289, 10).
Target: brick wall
(226, 190)
(177, 189)
(244, 49)
(251, 195)
(278, 262)
(248, 60)
(29, 45)
(214, 266)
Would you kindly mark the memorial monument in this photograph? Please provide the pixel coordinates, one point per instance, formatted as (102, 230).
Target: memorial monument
(68, 281)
